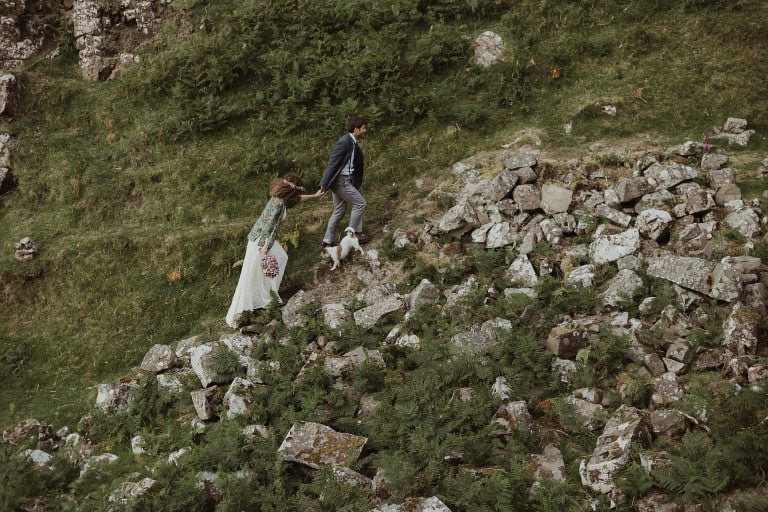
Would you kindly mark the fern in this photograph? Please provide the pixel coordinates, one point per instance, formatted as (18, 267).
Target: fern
(634, 481)
(697, 471)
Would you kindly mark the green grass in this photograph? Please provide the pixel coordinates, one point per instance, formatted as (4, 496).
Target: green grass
(121, 183)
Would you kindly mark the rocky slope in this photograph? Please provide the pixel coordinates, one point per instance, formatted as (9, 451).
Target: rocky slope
(639, 288)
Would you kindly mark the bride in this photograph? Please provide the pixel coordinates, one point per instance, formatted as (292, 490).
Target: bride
(254, 287)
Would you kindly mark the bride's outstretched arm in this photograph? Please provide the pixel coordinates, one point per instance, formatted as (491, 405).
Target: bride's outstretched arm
(316, 195)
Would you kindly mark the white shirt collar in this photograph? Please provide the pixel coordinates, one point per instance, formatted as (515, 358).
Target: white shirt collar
(353, 138)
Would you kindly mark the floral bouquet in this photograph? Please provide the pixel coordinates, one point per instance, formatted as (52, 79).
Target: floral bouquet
(269, 266)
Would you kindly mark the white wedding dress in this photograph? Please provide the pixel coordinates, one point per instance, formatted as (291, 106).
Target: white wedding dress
(254, 288)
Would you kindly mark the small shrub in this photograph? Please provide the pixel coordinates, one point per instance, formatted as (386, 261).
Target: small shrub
(225, 363)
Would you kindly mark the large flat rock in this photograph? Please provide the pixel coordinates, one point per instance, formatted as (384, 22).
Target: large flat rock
(720, 281)
(612, 247)
(368, 317)
(316, 446)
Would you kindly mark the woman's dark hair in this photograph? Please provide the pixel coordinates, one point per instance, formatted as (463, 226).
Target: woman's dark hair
(355, 122)
(289, 187)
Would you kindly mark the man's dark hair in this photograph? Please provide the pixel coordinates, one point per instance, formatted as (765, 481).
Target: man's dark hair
(355, 122)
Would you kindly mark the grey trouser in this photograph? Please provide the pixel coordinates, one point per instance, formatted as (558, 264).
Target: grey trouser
(343, 192)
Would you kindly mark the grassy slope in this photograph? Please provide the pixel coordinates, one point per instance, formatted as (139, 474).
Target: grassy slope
(122, 183)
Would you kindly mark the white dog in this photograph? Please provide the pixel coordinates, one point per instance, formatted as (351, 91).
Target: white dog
(341, 251)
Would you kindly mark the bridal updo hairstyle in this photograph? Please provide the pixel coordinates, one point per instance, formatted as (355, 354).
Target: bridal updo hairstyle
(289, 188)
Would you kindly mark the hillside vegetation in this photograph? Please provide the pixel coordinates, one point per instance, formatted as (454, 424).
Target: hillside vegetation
(123, 182)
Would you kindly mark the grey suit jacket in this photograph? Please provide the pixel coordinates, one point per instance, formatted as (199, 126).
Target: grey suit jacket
(340, 155)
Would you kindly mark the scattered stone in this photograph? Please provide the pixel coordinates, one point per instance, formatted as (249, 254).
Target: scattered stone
(336, 315)
(408, 341)
(521, 161)
(527, 197)
(38, 457)
(369, 316)
(337, 366)
(566, 339)
(691, 148)
(745, 220)
(402, 239)
(432, 504)
(501, 186)
(501, 389)
(651, 461)
(551, 231)
(375, 293)
(500, 235)
(115, 397)
(158, 359)
(629, 189)
(173, 457)
(129, 491)
(473, 342)
(666, 389)
(521, 272)
(317, 446)
(612, 247)
(656, 502)
(615, 216)
(459, 219)
(740, 330)
(425, 293)
(707, 360)
(203, 401)
(235, 402)
(566, 222)
(203, 366)
(555, 199)
(612, 450)
(457, 292)
(565, 369)
(290, 311)
(351, 477)
(622, 288)
(697, 200)
(642, 164)
(526, 175)
(653, 223)
(138, 445)
(727, 193)
(630, 262)
(667, 422)
(489, 49)
(735, 125)
(513, 416)
(549, 465)
(583, 275)
(9, 94)
(719, 281)
(667, 176)
(25, 249)
(679, 351)
(591, 414)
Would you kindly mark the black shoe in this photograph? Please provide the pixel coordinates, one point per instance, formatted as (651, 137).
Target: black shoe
(362, 238)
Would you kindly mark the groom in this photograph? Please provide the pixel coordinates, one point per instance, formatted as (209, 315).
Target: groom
(343, 177)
